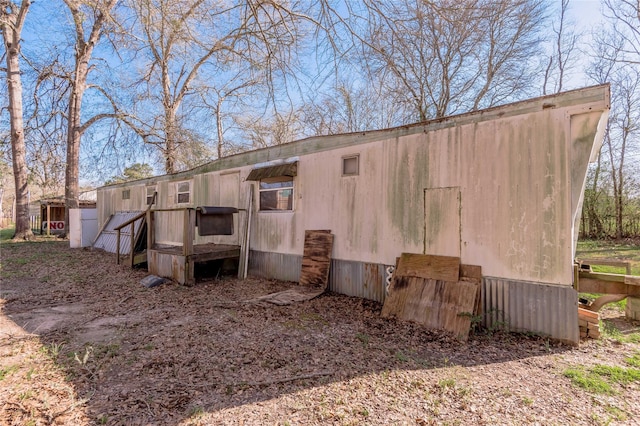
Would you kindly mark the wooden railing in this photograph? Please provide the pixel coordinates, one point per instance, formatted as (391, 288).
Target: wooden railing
(132, 222)
(188, 228)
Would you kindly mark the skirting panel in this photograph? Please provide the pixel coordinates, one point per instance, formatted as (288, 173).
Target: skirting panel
(366, 280)
(278, 266)
(550, 310)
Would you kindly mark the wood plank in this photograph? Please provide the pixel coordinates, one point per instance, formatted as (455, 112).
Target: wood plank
(445, 268)
(437, 304)
(593, 326)
(632, 280)
(471, 271)
(316, 258)
(589, 320)
(608, 262)
(602, 276)
(587, 313)
(590, 285)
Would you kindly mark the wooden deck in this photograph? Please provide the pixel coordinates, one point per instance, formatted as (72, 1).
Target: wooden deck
(170, 261)
(177, 261)
(202, 252)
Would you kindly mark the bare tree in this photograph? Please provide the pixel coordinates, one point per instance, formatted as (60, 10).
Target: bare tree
(563, 57)
(626, 15)
(46, 126)
(621, 147)
(623, 137)
(12, 19)
(442, 57)
(348, 107)
(263, 132)
(89, 19)
(182, 39)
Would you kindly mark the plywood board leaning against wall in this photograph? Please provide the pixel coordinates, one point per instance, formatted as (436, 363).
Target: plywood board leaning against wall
(419, 293)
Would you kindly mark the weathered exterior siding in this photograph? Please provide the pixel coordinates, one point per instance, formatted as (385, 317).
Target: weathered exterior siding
(502, 187)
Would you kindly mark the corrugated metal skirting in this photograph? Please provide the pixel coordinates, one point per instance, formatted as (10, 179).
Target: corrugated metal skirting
(107, 240)
(366, 280)
(546, 309)
(358, 279)
(285, 267)
(528, 306)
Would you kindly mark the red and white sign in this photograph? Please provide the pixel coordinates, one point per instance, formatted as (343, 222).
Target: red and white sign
(56, 225)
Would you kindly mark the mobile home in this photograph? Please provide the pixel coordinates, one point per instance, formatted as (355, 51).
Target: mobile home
(501, 188)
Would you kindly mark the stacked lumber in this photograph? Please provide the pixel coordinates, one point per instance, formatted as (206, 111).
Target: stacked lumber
(435, 291)
(589, 323)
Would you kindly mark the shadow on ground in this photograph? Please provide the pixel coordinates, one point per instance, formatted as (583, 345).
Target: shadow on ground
(166, 355)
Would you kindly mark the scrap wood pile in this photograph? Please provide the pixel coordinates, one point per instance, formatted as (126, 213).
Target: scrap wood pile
(435, 291)
(314, 273)
(589, 323)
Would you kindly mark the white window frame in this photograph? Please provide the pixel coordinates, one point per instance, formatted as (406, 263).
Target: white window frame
(153, 189)
(180, 192)
(277, 190)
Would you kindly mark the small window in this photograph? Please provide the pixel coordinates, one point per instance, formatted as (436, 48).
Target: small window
(126, 194)
(276, 193)
(151, 190)
(350, 165)
(183, 194)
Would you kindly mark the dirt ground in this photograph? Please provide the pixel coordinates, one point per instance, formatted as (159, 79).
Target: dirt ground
(83, 342)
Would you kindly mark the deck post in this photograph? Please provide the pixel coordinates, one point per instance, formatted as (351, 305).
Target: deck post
(187, 245)
(150, 230)
(118, 247)
(133, 242)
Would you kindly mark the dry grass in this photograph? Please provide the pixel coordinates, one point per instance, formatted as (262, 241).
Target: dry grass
(82, 342)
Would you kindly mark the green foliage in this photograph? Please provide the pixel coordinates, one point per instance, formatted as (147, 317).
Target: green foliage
(364, 338)
(633, 360)
(604, 249)
(134, 172)
(446, 383)
(590, 382)
(6, 234)
(610, 331)
(5, 371)
(401, 356)
(600, 378)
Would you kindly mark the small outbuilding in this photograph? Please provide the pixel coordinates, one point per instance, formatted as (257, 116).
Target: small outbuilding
(51, 213)
(500, 188)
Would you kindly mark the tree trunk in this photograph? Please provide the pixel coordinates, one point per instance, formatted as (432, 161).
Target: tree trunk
(72, 178)
(219, 127)
(170, 143)
(75, 128)
(11, 25)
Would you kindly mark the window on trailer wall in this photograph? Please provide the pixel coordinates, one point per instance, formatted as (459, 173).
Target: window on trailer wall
(126, 194)
(276, 193)
(183, 193)
(150, 191)
(351, 165)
